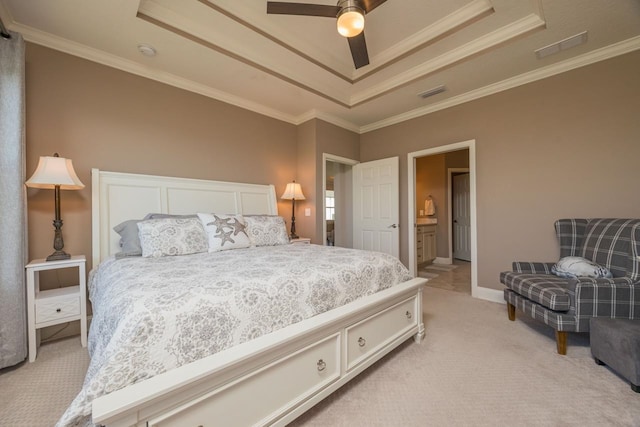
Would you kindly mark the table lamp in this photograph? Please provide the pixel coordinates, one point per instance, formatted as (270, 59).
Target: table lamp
(293, 192)
(56, 173)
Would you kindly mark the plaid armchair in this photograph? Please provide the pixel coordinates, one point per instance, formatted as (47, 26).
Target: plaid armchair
(567, 304)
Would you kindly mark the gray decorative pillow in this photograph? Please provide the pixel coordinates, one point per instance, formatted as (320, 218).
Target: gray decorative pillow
(225, 232)
(129, 240)
(172, 236)
(571, 267)
(128, 231)
(266, 230)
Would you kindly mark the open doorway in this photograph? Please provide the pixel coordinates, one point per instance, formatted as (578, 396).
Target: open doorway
(337, 201)
(434, 189)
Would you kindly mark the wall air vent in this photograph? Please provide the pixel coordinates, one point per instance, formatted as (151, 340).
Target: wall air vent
(565, 44)
(433, 91)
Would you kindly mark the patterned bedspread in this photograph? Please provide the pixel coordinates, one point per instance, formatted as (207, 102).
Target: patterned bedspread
(154, 314)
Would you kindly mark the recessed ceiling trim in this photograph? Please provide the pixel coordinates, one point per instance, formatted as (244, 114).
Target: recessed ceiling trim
(440, 29)
(608, 52)
(274, 39)
(511, 31)
(233, 55)
(461, 18)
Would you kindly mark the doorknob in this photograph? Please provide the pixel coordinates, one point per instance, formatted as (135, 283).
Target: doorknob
(393, 226)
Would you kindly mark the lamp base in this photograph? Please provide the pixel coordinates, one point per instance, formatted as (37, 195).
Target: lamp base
(58, 255)
(293, 236)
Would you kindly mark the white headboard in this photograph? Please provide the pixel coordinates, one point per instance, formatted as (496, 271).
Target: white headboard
(117, 197)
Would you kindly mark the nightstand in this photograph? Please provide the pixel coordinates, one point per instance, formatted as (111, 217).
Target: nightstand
(51, 307)
(300, 241)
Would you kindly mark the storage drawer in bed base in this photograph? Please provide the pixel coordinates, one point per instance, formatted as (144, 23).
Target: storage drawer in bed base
(251, 400)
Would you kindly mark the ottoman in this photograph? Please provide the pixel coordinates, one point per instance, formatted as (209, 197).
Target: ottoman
(616, 343)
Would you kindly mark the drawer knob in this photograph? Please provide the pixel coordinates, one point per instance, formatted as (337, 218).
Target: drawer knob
(362, 342)
(58, 310)
(321, 365)
(408, 313)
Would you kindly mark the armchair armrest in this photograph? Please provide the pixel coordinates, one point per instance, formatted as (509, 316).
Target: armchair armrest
(532, 267)
(618, 297)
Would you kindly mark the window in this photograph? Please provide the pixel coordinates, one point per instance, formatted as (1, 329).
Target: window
(330, 205)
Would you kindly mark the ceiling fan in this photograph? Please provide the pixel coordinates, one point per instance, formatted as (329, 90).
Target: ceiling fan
(349, 13)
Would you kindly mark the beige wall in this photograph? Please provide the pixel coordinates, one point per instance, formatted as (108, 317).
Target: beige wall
(316, 137)
(307, 175)
(566, 146)
(104, 118)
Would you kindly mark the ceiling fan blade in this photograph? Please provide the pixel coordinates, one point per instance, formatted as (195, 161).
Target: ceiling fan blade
(359, 52)
(369, 5)
(284, 8)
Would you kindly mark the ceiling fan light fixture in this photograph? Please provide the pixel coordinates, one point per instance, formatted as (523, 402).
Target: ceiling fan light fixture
(350, 19)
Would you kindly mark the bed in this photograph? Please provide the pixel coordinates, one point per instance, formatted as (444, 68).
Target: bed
(279, 360)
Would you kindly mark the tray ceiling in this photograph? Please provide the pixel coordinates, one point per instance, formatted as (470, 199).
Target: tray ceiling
(297, 67)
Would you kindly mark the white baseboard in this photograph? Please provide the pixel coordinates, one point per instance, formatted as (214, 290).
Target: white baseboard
(493, 295)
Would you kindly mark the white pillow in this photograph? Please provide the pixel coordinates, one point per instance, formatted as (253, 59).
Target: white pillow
(266, 230)
(572, 266)
(225, 232)
(171, 236)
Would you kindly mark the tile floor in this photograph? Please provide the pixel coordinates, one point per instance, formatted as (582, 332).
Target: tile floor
(455, 277)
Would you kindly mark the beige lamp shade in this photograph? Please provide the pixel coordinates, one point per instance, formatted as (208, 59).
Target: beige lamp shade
(293, 192)
(52, 171)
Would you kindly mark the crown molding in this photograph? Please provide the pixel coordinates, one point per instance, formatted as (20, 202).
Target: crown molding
(608, 52)
(76, 49)
(316, 114)
(444, 26)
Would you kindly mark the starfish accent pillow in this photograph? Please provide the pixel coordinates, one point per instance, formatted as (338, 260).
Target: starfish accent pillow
(225, 232)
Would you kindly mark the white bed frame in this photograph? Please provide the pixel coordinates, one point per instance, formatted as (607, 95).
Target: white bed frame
(267, 381)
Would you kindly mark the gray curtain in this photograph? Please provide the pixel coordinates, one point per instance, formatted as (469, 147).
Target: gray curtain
(13, 240)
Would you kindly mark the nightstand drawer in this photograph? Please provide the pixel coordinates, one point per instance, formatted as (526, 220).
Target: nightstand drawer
(52, 306)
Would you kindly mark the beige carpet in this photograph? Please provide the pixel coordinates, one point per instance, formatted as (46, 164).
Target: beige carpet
(475, 368)
(36, 394)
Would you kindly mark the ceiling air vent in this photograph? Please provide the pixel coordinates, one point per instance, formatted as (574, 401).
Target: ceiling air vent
(565, 44)
(433, 91)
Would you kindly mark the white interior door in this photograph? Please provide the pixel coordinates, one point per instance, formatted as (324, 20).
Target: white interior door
(461, 217)
(376, 206)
